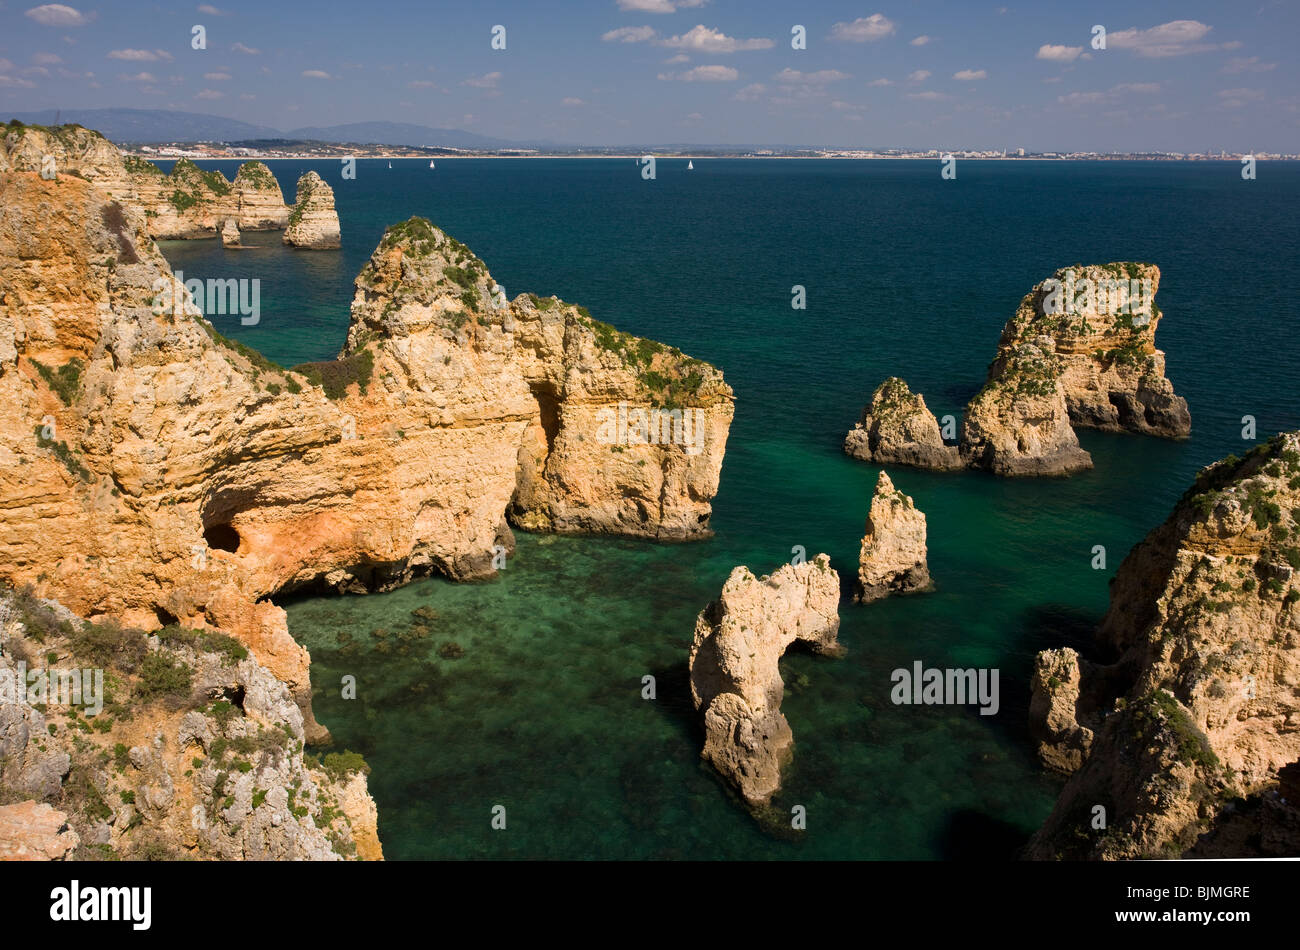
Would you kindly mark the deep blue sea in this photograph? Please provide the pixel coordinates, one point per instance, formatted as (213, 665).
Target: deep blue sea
(906, 274)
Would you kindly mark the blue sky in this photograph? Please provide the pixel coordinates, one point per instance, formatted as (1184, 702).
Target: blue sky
(1184, 76)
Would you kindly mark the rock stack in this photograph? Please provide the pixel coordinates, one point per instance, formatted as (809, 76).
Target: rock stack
(313, 223)
(735, 678)
(892, 559)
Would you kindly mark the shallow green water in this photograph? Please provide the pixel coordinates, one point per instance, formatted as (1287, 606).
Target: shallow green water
(906, 275)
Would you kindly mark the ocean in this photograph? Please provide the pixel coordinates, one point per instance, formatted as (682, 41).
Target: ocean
(905, 274)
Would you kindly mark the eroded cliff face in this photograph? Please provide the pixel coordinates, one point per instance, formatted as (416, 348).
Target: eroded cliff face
(1200, 700)
(734, 666)
(1079, 351)
(157, 473)
(184, 746)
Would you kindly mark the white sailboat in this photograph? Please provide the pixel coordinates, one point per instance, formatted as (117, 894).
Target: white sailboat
(430, 163)
(390, 164)
(690, 165)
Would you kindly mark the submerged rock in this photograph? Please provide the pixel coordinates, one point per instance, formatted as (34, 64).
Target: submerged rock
(897, 428)
(893, 556)
(734, 669)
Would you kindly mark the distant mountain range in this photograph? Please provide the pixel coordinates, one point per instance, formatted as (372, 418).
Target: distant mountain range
(165, 125)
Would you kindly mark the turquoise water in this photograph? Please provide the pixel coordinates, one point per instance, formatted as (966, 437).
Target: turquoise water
(906, 274)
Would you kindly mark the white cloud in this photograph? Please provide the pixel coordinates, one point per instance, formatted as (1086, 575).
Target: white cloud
(217, 77)
(421, 84)
(140, 55)
(704, 74)
(679, 58)
(138, 77)
(572, 101)
(1058, 54)
(208, 94)
(1236, 98)
(968, 75)
(863, 29)
(315, 74)
(13, 81)
(1111, 95)
(881, 82)
(247, 50)
(1175, 38)
(56, 14)
(210, 10)
(921, 40)
(1243, 64)
(486, 81)
(46, 59)
(701, 39)
(629, 34)
(929, 94)
(751, 93)
(819, 78)
(658, 6)
(921, 75)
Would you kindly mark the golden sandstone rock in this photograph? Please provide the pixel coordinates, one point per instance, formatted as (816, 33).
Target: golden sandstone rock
(155, 472)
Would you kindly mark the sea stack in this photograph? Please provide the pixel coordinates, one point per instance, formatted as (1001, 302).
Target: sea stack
(261, 203)
(1196, 704)
(892, 559)
(229, 233)
(313, 224)
(1101, 320)
(735, 676)
(897, 428)
(1019, 423)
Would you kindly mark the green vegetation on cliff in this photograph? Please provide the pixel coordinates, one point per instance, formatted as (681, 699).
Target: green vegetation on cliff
(335, 376)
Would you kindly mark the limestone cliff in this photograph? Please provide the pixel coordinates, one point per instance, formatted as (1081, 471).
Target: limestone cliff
(185, 203)
(157, 473)
(186, 748)
(897, 428)
(893, 557)
(1198, 700)
(735, 675)
(313, 222)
